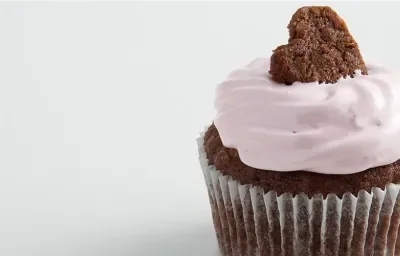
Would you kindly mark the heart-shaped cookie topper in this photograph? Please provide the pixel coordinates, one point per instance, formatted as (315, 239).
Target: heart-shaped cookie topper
(320, 48)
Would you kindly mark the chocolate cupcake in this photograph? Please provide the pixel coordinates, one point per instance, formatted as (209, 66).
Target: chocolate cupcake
(303, 155)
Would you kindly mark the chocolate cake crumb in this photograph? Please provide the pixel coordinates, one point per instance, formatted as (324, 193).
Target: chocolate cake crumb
(320, 48)
(228, 162)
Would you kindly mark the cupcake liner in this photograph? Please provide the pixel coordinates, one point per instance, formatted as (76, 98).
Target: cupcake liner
(250, 221)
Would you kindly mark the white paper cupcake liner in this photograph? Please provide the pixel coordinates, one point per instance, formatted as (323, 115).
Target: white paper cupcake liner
(251, 222)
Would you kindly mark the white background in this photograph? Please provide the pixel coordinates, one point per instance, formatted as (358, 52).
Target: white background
(100, 106)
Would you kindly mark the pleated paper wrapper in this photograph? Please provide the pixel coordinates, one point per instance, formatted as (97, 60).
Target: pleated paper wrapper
(252, 222)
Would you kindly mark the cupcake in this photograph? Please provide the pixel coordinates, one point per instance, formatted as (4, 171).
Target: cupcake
(303, 155)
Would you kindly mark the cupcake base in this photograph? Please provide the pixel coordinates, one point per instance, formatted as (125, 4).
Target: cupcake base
(251, 221)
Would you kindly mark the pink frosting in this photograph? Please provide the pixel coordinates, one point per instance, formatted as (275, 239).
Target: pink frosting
(339, 128)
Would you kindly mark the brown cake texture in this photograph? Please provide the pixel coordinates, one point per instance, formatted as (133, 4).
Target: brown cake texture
(320, 48)
(228, 162)
(256, 222)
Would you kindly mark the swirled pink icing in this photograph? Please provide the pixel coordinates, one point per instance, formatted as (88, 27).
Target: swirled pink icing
(340, 128)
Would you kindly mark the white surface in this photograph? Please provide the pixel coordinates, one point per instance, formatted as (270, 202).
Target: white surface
(100, 106)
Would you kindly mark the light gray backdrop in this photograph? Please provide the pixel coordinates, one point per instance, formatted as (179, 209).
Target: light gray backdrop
(100, 106)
